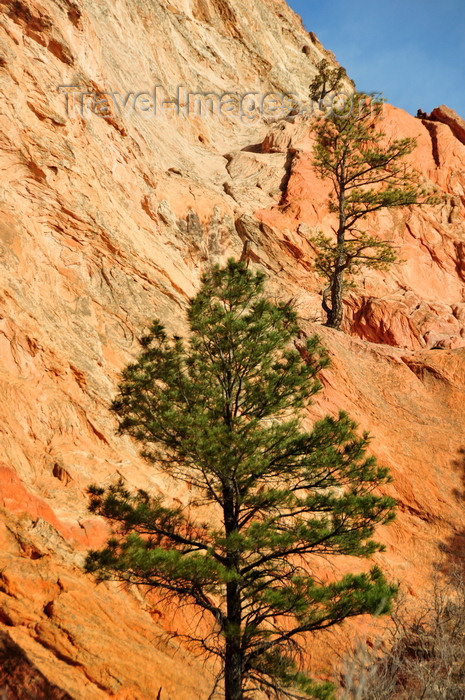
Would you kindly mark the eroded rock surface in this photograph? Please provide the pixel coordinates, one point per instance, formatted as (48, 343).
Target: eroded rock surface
(107, 223)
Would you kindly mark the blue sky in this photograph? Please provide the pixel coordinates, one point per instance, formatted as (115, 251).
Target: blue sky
(413, 51)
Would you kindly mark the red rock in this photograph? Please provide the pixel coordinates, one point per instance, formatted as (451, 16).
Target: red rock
(18, 676)
(446, 115)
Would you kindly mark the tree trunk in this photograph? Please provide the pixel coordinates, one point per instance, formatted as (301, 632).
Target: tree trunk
(334, 313)
(334, 319)
(233, 663)
(232, 630)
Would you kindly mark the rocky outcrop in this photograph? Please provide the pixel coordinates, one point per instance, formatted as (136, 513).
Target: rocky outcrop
(20, 679)
(108, 216)
(445, 115)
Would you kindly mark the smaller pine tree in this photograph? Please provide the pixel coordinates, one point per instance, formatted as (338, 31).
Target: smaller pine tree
(221, 412)
(368, 173)
(327, 80)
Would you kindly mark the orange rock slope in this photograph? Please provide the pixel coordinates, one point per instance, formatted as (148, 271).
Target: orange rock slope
(108, 222)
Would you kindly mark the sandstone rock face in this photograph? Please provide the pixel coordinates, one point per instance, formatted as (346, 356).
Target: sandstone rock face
(447, 116)
(108, 222)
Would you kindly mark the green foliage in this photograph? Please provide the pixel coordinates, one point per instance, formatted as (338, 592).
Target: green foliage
(363, 251)
(327, 81)
(368, 173)
(221, 412)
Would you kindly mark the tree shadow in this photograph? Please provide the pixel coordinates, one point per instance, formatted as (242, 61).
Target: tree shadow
(452, 560)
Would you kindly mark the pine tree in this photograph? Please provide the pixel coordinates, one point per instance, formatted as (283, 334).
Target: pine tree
(368, 173)
(327, 80)
(221, 413)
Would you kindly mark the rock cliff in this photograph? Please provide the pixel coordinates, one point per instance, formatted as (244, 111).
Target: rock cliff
(109, 212)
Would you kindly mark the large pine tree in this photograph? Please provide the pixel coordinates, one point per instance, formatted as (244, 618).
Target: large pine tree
(221, 412)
